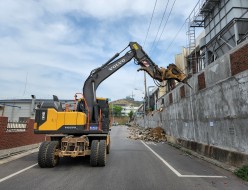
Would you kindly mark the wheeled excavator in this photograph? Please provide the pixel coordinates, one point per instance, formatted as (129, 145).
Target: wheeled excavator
(85, 131)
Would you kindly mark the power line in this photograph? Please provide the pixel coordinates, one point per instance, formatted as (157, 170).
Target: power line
(176, 35)
(160, 23)
(145, 44)
(165, 23)
(150, 23)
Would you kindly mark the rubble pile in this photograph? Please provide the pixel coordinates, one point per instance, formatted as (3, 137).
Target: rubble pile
(149, 134)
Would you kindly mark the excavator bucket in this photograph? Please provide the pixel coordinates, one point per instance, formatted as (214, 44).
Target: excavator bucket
(161, 74)
(174, 72)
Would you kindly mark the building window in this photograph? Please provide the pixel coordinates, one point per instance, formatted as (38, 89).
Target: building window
(23, 119)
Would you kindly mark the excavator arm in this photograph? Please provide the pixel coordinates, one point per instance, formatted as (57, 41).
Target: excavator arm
(111, 66)
(158, 73)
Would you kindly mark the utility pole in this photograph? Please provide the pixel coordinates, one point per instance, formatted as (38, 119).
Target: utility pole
(148, 96)
(132, 95)
(145, 84)
(145, 99)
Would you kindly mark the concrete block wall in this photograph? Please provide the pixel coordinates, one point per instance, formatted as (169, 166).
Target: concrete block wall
(211, 118)
(16, 139)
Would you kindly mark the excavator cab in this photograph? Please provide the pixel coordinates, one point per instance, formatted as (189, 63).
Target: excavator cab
(103, 121)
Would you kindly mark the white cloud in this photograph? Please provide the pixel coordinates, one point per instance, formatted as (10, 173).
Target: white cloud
(56, 43)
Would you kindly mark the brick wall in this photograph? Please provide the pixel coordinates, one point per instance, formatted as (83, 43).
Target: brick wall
(17, 139)
(182, 92)
(239, 60)
(201, 81)
(194, 63)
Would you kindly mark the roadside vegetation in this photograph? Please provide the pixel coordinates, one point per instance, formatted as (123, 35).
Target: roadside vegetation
(242, 173)
(116, 110)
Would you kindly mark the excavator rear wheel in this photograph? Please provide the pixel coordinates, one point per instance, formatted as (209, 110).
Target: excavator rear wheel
(51, 159)
(42, 154)
(94, 153)
(102, 154)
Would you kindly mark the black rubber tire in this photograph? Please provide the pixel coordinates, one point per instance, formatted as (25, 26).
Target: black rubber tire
(51, 159)
(102, 154)
(108, 147)
(94, 153)
(42, 154)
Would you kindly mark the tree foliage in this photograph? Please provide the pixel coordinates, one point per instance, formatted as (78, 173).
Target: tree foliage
(242, 173)
(116, 110)
(130, 115)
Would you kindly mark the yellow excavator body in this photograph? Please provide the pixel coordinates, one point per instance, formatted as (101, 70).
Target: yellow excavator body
(56, 120)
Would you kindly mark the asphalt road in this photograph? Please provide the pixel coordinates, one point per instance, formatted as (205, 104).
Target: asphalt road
(131, 165)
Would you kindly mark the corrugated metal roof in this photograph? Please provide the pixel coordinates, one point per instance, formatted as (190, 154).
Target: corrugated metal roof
(28, 100)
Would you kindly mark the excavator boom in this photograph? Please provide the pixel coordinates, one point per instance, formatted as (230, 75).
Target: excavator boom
(111, 66)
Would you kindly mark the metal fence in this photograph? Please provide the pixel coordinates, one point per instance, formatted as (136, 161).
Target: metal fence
(14, 126)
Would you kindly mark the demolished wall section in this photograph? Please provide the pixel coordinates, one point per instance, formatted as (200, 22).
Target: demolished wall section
(216, 115)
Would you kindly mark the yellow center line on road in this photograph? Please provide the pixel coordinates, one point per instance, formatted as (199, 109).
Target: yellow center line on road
(175, 171)
(16, 173)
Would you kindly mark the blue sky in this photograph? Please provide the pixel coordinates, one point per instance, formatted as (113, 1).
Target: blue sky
(50, 46)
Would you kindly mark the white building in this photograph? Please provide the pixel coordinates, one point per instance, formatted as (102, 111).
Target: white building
(127, 109)
(20, 110)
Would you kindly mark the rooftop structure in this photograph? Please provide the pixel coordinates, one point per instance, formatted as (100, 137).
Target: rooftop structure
(226, 25)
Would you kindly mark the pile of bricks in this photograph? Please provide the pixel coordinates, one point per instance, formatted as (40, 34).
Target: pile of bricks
(149, 134)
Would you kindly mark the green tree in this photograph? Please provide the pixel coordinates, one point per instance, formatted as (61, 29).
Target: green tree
(130, 115)
(116, 110)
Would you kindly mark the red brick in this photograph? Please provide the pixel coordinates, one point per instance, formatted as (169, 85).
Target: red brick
(193, 62)
(182, 92)
(201, 81)
(239, 60)
(16, 139)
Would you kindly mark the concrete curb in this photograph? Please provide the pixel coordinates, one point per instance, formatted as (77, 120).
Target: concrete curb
(14, 151)
(175, 143)
(212, 161)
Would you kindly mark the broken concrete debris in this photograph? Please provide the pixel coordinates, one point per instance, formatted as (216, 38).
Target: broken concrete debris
(147, 134)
